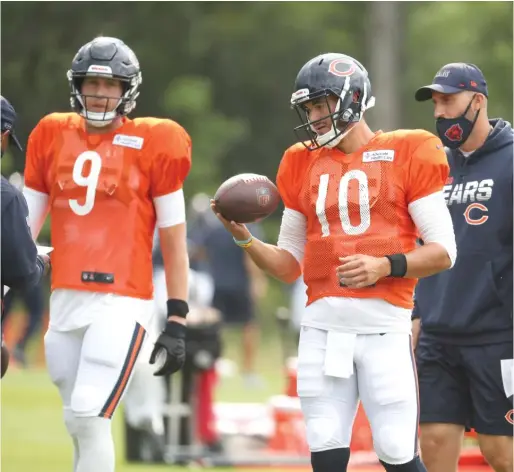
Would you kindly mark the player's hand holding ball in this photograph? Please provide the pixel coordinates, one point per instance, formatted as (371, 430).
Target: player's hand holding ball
(238, 230)
(244, 198)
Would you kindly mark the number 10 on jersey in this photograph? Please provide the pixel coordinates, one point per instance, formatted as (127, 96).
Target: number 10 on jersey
(344, 214)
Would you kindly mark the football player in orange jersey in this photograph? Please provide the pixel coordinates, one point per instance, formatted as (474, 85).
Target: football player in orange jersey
(107, 181)
(355, 203)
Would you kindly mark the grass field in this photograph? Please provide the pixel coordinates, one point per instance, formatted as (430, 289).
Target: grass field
(33, 432)
(34, 438)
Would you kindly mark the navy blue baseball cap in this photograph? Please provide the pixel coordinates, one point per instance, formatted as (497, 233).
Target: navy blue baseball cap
(454, 78)
(8, 120)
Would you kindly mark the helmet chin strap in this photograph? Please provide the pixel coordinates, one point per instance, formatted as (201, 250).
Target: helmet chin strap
(99, 124)
(327, 140)
(98, 120)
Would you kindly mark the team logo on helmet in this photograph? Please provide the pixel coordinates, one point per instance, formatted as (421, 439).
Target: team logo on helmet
(342, 67)
(263, 196)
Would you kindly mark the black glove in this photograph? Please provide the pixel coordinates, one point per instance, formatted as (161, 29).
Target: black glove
(172, 341)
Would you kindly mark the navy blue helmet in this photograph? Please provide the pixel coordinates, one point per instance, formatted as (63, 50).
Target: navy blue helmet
(105, 57)
(338, 75)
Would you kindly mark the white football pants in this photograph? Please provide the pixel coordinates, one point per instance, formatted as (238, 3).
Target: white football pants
(335, 370)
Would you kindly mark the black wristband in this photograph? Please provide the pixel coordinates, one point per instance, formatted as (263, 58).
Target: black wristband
(398, 265)
(177, 308)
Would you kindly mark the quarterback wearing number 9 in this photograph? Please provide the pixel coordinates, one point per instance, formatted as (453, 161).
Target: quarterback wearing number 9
(355, 203)
(107, 181)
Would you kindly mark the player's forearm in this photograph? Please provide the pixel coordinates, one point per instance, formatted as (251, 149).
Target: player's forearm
(275, 261)
(176, 260)
(38, 205)
(177, 274)
(439, 252)
(427, 260)
(29, 280)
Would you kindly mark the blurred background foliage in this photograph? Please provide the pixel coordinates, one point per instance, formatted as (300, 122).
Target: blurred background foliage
(225, 70)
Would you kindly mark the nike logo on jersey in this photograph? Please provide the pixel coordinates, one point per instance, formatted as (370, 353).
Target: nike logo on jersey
(382, 155)
(468, 192)
(134, 142)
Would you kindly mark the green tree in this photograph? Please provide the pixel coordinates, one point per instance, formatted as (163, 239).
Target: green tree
(225, 70)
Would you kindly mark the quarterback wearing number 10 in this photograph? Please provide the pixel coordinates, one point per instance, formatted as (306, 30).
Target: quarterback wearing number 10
(355, 203)
(107, 181)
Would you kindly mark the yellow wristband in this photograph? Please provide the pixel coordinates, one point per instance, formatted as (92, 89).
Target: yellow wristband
(244, 244)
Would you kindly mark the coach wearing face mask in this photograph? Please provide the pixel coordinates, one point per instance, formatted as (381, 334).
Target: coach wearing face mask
(21, 267)
(463, 316)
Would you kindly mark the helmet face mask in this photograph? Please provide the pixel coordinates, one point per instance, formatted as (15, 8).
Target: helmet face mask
(341, 121)
(341, 77)
(106, 58)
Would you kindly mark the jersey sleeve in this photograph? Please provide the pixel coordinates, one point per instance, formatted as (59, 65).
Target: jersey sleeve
(171, 160)
(428, 169)
(35, 159)
(289, 179)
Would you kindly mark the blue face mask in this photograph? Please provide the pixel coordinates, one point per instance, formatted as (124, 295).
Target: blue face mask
(454, 132)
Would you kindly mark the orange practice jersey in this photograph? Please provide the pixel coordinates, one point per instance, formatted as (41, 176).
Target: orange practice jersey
(358, 204)
(101, 189)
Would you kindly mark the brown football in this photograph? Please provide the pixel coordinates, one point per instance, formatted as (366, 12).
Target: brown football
(247, 198)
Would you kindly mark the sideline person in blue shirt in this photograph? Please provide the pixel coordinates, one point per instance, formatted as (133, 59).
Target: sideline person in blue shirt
(463, 316)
